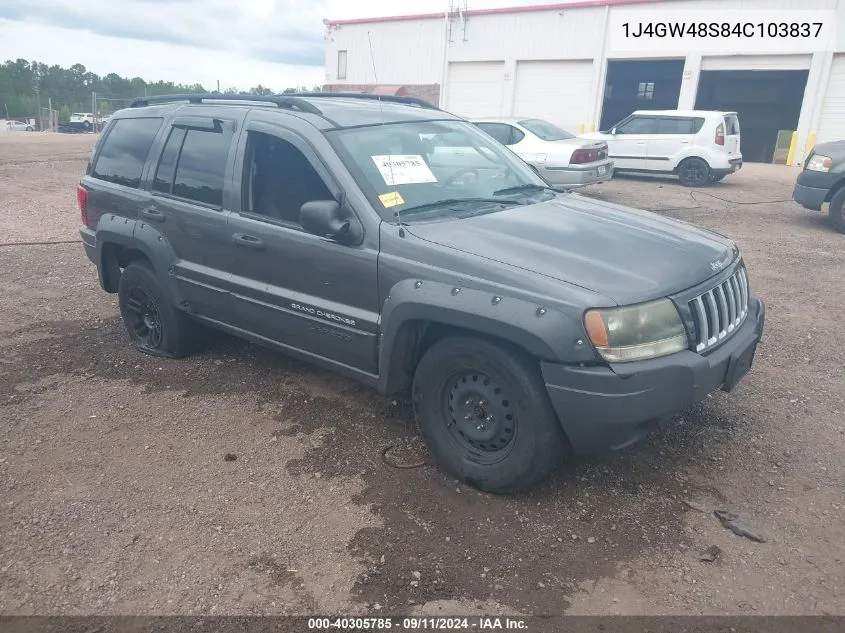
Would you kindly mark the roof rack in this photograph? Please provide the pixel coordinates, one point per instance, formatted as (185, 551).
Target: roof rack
(282, 101)
(414, 101)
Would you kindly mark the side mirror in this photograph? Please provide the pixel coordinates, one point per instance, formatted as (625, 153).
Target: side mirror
(613, 131)
(326, 218)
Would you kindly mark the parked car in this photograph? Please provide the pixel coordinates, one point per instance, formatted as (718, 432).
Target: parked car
(823, 181)
(559, 157)
(699, 146)
(19, 126)
(525, 321)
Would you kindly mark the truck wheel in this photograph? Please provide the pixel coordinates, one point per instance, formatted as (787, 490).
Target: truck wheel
(836, 208)
(694, 172)
(485, 415)
(154, 324)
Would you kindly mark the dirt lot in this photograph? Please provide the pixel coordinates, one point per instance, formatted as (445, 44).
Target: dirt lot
(117, 497)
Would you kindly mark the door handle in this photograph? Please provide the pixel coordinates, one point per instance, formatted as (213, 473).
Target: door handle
(248, 241)
(153, 215)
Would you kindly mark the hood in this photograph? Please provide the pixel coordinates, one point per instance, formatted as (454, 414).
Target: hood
(834, 149)
(625, 254)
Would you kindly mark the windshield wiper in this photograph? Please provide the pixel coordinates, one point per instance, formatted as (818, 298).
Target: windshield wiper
(518, 188)
(454, 201)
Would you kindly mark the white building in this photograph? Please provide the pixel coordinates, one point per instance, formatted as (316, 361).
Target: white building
(567, 63)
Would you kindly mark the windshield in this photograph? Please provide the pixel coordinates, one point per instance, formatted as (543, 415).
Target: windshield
(440, 167)
(545, 130)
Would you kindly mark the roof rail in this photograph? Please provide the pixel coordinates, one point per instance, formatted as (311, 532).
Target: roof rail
(290, 102)
(414, 101)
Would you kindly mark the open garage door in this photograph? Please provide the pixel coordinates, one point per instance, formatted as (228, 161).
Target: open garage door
(475, 88)
(765, 100)
(642, 84)
(558, 91)
(832, 121)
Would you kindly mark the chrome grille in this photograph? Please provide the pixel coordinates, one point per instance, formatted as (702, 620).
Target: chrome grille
(720, 310)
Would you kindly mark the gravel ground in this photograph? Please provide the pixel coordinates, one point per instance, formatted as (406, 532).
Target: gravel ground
(117, 495)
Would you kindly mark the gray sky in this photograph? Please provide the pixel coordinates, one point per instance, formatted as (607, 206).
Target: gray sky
(277, 43)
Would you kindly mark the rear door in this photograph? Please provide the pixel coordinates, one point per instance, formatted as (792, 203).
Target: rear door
(732, 146)
(629, 146)
(190, 207)
(671, 138)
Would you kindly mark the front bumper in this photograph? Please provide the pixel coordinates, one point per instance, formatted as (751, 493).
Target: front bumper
(612, 406)
(576, 175)
(809, 197)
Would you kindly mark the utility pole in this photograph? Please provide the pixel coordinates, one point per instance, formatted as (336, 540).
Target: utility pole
(38, 101)
(218, 86)
(94, 111)
(50, 112)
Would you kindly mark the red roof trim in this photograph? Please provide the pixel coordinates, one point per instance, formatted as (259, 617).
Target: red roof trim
(526, 9)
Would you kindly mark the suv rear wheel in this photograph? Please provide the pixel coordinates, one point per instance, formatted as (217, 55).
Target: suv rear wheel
(694, 172)
(154, 324)
(836, 209)
(485, 415)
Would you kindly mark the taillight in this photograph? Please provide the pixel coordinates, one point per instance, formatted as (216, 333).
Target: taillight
(720, 135)
(82, 201)
(584, 156)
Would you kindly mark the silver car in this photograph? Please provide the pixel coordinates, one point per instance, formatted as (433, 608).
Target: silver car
(559, 157)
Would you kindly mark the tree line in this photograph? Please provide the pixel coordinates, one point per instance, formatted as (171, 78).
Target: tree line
(25, 84)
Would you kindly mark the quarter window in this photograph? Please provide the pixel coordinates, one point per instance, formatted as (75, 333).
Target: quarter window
(125, 150)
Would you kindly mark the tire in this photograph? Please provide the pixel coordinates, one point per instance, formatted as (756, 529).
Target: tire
(836, 208)
(29, 128)
(483, 411)
(154, 324)
(694, 172)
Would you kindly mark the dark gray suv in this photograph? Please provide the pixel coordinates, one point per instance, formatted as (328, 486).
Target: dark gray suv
(402, 246)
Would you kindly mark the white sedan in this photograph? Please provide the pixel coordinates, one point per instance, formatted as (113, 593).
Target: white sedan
(558, 156)
(18, 126)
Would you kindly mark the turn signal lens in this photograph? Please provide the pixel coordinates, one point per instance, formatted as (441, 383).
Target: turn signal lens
(596, 329)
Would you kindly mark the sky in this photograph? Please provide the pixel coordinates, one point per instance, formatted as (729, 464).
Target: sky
(240, 43)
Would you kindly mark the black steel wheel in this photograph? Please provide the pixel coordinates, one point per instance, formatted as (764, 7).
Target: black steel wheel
(836, 209)
(694, 172)
(482, 422)
(482, 408)
(154, 323)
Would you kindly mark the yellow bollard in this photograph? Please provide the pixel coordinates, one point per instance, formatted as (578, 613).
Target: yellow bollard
(790, 157)
(592, 128)
(811, 143)
(580, 128)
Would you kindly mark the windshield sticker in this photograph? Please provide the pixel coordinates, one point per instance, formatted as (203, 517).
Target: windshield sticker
(403, 170)
(391, 199)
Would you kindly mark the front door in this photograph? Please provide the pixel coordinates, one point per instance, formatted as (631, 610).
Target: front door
(629, 146)
(291, 287)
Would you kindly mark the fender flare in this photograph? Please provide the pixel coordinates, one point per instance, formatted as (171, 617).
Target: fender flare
(140, 236)
(543, 332)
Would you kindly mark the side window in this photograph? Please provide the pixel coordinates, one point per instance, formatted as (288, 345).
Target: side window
(675, 125)
(125, 150)
(279, 179)
(202, 166)
(638, 125)
(499, 131)
(516, 136)
(697, 124)
(166, 169)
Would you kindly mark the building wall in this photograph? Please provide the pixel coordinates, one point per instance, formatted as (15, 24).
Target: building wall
(419, 51)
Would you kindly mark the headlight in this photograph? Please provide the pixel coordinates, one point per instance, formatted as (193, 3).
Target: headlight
(819, 163)
(646, 330)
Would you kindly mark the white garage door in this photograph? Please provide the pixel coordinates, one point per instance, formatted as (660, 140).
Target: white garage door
(832, 121)
(557, 91)
(756, 62)
(475, 88)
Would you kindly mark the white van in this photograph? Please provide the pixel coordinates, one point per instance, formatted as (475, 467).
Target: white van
(699, 146)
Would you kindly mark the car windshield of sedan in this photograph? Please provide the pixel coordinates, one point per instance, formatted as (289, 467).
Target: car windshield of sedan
(436, 168)
(545, 130)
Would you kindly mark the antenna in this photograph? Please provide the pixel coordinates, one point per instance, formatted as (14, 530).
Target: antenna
(381, 113)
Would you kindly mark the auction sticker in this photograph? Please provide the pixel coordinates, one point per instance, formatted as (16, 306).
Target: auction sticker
(403, 169)
(391, 199)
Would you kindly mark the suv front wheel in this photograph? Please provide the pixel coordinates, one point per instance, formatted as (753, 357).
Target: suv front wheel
(483, 410)
(694, 172)
(154, 324)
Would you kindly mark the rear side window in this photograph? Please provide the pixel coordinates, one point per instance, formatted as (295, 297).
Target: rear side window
(731, 125)
(125, 150)
(193, 165)
(676, 125)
